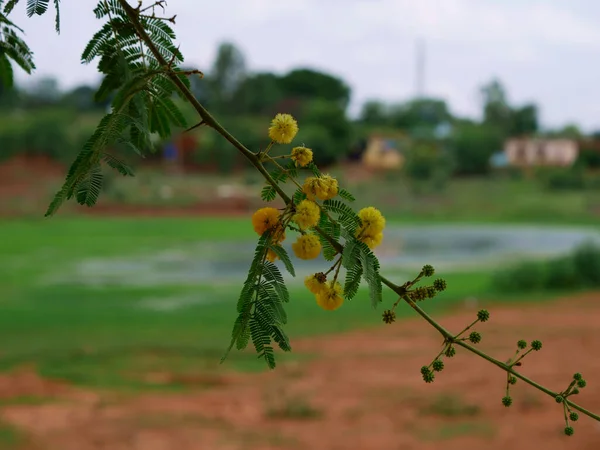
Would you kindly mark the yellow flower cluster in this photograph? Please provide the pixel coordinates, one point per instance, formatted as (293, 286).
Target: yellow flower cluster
(327, 294)
(315, 282)
(371, 229)
(265, 219)
(302, 156)
(323, 187)
(307, 246)
(307, 214)
(283, 129)
(268, 219)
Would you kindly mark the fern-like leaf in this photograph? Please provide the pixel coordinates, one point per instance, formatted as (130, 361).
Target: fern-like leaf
(117, 164)
(314, 169)
(343, 193)
(353, 276)
(6, 71)
(108, 131)
(13, 47)
(284, 257)
(268, 193)
(370, 267)
(88, 190)
(299, 195)
(346, 215)
(331, 229)
(38, 7)
(272, 274)
(57, 16)
(10, 5)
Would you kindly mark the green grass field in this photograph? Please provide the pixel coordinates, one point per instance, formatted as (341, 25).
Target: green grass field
(107, 335)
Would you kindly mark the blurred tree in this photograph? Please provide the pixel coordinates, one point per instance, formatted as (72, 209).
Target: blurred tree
(9, 97)
(524, 120)
(332, 118)
(199, 86)
(496, 111)
(309, 85)
(427, 165)
(319, 139)
(569, 131)
(82, 99)
(259, 94)
(42, 92)
(227, 74)
(472, 147)
(374, 112)
(421, 115)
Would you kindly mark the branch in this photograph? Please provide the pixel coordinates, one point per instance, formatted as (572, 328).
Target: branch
(208, 119)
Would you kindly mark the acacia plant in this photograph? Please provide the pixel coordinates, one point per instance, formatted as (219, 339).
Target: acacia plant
(140, 63)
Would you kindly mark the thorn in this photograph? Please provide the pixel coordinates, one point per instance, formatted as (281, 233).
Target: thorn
(199, 124)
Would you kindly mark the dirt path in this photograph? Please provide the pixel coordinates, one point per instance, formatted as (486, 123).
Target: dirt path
(363, 391)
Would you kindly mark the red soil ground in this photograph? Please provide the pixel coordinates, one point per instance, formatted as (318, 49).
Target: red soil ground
(363, 390)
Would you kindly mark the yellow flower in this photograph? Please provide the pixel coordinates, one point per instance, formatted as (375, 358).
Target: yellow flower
(315, 283)
(330, 297)
(302, 156)
(372, 221)
(371, 227)
(307, 246)
(283, 129)
(372, 240)
(323, 187)
(307, 214)
(271, 256)
(265, 219)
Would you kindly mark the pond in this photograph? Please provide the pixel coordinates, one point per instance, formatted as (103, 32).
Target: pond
(405, 248)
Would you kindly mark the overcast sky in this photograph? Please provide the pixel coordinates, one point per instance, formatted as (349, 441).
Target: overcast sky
(547, 51)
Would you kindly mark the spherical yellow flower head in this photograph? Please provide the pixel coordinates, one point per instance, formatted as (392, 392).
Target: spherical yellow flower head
(315, 282)
(265, 219)
(330, 298)
(307, 214)
(324, 187)
(302, 156)
(307, 246)
(372, 240)
(271, 256)
(371, 229)
(283, 129)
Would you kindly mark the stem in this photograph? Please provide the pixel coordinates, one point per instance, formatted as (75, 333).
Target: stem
(467, 328)
(201, 110)
(209, 120)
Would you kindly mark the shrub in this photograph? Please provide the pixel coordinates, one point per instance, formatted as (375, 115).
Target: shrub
(578, 270)
(562, 179)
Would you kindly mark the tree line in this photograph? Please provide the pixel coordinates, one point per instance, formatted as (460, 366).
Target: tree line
(319, 100)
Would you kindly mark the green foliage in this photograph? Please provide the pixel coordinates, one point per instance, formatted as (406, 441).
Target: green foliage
(332, 230)
(328, 130)
(472, 147)
(562, 179)
(12, 48)
(143, 88)
(260, 308)
(427, 164)
(578, 270)
(346, 215)
(308, 84)
(279, 175)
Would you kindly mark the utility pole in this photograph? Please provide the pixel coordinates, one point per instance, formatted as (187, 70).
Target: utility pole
(420, 68)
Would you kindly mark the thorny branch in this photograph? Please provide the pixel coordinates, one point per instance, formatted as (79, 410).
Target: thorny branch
(209, 120)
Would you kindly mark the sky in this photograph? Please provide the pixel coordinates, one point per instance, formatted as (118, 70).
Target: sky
(543, 51)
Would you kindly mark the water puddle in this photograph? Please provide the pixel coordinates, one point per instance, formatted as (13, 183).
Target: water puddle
(405, 248)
